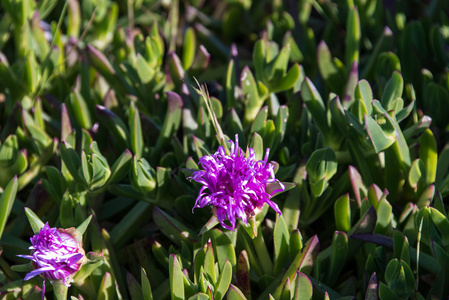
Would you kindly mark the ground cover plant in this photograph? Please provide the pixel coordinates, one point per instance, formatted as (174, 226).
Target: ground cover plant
(230, 149)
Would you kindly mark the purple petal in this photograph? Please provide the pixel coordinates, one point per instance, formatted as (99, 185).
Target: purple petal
(37, 272)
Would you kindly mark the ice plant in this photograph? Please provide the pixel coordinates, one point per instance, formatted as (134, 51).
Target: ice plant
(56, 254)
(235, 185)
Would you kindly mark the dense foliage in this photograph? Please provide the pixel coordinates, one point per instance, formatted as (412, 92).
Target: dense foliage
(107, 107)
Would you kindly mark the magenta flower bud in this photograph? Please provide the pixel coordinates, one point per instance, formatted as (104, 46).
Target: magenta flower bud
(235, 185)
(56, 254)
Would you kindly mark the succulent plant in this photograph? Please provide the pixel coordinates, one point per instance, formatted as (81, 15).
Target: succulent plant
(115, 110)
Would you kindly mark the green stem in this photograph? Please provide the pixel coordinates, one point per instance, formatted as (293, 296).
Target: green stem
(60, 290)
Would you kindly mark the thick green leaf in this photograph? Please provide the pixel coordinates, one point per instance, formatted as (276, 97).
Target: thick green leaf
(160, 254)
(56, 180)
(382, 137)
(121, 167)
(114, 124)
(242, 274)
(328, 69)
(289, 80)
(144, 69)
(364, 93)
(172, 121)
(295, 244)
(35, 222)
(393, 90)
(71, 160)
(201, 60)
(416, 175)
(145, 284)
(175, 68)
(83, 226)
(437, 101)
(315, 105)
(428, 153)
(188, 47)
(286, 291)
(252, 100)
(80, 110)
(304, 288)
(442, 224)
(223, 248)
(281, 244)
(384, 215)
(231, 84)
(413, 48)
(352, 40)
(258, 125)
(303, 262)
(386, 293)
(224, 280)
(135, 129)
(342, 213)
(372, 288)
(321, 167)
(172, 228)
(176, 279)
(143, 176)
(130, 223)
(199, 296)
(209, 262)
(112, 261)
(6, 202)
(281, 126)
(45, 7)
(8, 151)
(234, 293)
(400, 278)
(339, 252)
(66, 211)
(107, 288)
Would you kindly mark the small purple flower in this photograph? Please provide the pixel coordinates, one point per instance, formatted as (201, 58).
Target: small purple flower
(56, 254)
(235, 185)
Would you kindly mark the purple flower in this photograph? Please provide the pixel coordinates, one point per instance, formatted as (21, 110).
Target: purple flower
(56, 254)
(235, 185)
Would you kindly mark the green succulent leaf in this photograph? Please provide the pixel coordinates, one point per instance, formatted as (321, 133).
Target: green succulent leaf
(146, 286)
(143, 176)
(392, 92)
(171, 122)
(428, 153)
(172, 228)
(303, 262)
(253, 102)
(199, 296)
(382, 136)
(321, 167)
(6, 202)
(107, 287)
(176, 279)
(136, 136)
(352, 41)
(281, 244)
(224, 281)
(234, 293)
(330, 72)
(35, 221)
(342, 212)
(303, 287)
(315, 105)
